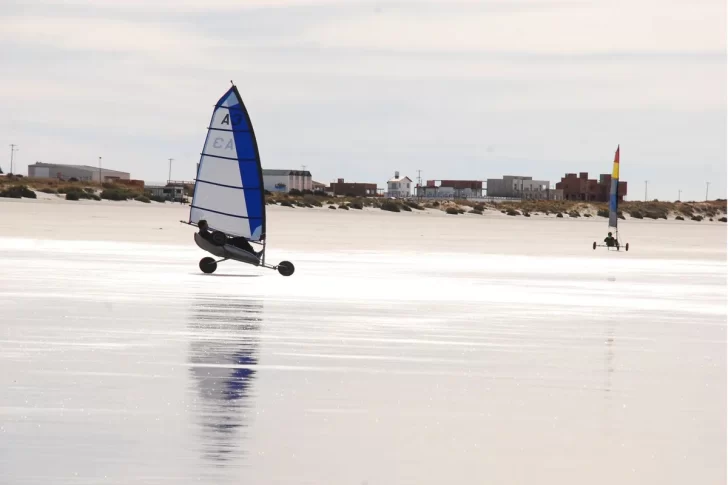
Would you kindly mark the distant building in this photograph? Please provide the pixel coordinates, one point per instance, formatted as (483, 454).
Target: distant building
(520, 187)
(286, 180)
(584, 188)
(399, 187)
(84, 173)
(170, 191)
(316, 186)
(356, 189)
(454, 189)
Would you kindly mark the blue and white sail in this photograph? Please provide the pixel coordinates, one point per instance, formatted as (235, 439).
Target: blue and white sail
(229, 185)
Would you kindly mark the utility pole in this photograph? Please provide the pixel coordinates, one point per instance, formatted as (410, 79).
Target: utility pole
(646, 190)
(678, 194)
(707, 184)
(12, 152)
(419, 184)
(169, 177)
(101, 179)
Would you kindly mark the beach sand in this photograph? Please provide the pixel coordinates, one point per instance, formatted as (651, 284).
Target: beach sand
(409, 348)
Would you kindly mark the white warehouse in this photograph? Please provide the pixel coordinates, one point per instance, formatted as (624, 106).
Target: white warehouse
(84, 173)
(286, 180)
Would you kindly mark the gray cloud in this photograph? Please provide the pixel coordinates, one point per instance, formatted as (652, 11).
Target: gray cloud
(339, 88)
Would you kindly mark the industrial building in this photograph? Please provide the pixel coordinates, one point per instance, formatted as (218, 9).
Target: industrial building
(584, 188)
(451, 189)
(355, 189)
(520, 187)
(275, 180)
(84, 173)
(399, 187)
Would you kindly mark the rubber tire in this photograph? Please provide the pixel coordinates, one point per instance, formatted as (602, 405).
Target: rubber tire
(286, 268)
(219, 238)
(594, 246)
(626, 247)
(208, 265)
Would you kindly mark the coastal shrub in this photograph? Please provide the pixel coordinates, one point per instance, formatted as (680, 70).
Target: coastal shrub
(332, 207)
(310, 199)
(461, 211)
(159, 198)
(435, 204)
(356, 205)
(307, 192)
(390, 206)
(406, 208)
(635, 214)
(512, 212)
(503, 211)
(114, 194)
(574, 214)
(286, 203)
(18, 192)
(685, 209)
(526, 214)
(344, 207)
(722, 219)
(414, 205)
(559, 215)
(89, 190)
(479, 206)
(267, 192)
(48, 190)
(603, 213)
(319, 193)
(77, 194)
(295, 192)
(696, 218)
(476, 211)
(143, 198)
(679, 218)
(451, 210)
(711, 219)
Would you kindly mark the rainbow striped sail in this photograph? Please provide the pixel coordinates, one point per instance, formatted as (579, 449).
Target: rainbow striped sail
(614, 193)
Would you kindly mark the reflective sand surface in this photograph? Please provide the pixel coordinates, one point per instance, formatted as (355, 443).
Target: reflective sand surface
(495, 357)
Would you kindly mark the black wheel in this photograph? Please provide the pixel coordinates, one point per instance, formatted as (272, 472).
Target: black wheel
(626, 247)
(219, 238)
(594, 246)
(208, 265)
(286, 268)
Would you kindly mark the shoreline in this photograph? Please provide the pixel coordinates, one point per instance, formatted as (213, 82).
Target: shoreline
(507, 209)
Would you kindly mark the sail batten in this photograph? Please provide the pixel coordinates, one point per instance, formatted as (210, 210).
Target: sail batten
(614, 192)
(228, 186)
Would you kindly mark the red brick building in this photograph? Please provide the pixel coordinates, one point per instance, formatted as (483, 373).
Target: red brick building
(353, 188)
(584, 188)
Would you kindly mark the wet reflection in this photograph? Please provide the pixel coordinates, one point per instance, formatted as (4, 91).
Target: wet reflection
(609, 359)
(223, 354)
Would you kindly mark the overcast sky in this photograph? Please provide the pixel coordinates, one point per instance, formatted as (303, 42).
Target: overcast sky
(359, 89)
